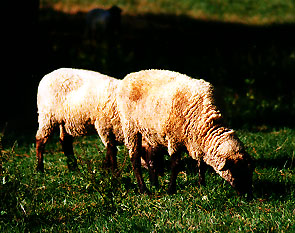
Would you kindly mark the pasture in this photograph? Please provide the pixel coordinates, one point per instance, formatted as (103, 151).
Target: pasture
(94, 200)
(245, 49)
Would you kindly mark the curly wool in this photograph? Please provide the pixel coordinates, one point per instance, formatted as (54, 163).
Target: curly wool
(175, 111)
(80, 101)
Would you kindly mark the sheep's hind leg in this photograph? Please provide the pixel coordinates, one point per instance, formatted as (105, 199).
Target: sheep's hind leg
(202, 170)
(175, 168)
(67, 147)
(136, 164)
(111, 155)
(42, 136)
(40, 147)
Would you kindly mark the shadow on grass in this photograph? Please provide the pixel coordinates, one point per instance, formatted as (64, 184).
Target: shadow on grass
(269, 185)
(276, 181)
(281, 162)
(272, 189)
(255, 62)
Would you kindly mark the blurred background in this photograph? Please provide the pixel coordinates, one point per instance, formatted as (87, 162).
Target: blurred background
(245, 48)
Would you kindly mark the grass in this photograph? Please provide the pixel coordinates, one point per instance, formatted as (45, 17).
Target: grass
(215, 40)
(246, 11)
(92, 199)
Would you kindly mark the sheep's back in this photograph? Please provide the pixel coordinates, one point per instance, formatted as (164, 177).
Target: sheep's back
(75, 98)
(155, 102)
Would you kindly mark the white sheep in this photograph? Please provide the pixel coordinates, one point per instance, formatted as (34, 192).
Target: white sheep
(177, 112)
(81, 102)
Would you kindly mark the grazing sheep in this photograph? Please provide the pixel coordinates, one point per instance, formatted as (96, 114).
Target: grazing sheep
(81, 102)
(100, 22)
(172, 110)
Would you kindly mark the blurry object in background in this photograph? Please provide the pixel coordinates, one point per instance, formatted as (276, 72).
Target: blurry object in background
(101, 24)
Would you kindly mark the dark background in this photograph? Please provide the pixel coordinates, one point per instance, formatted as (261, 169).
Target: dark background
(252, 67)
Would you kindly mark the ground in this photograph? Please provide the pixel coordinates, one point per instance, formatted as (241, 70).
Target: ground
(246, 50)
(93, 199)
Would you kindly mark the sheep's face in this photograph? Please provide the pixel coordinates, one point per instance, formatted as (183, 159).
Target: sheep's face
(237, 168)
(239, 174)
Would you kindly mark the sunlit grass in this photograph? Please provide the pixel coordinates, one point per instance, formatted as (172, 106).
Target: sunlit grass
(246, 11)
(92, 199)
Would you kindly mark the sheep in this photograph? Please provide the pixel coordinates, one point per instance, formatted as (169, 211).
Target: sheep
(104, 22)
(81, 102)
(174, 111)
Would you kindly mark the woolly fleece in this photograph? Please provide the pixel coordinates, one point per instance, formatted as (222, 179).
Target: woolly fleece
(175, 111)
(79, 101)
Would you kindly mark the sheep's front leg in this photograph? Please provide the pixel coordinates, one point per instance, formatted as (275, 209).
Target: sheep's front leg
(135, 155)
(111, 157)
(151, 154)
(159, 161)
(67, 146)
(175, 168)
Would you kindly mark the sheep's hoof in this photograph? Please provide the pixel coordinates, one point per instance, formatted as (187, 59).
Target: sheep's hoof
(154, 180)
(72, 168)
(171, 190)
(249, 197)
(145, 191)
(156, 185)
(202, 182)
(107, 165)
(72, 165)
(40, 168)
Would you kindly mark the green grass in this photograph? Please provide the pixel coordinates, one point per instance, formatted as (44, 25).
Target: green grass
(246, 11)
(93, 200)
(254, 71)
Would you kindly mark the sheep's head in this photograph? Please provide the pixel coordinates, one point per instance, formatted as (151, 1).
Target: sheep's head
(235, 166)
(239, 174)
